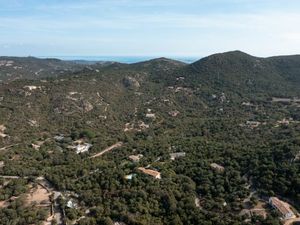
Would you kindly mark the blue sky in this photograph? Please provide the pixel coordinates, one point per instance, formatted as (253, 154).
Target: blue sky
(148, 27)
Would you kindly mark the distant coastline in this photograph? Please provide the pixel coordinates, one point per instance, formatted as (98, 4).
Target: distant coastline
(121, 59)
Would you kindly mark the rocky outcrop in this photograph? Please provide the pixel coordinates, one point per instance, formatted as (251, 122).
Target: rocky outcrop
(87, 106)
(131, 82)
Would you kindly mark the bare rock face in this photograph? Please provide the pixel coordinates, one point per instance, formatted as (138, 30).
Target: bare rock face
(131, 82)
(2, 129)
(87, 106)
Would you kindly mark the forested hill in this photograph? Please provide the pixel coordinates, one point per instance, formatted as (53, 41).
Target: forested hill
(244, 73)
(219, 136)
(15, 68)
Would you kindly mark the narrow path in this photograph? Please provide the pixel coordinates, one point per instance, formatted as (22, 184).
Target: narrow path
(12, 177)
(248, 199)
(117, 145)
(9, 146)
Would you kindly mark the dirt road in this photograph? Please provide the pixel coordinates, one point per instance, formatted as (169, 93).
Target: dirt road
(117, 145)
(291, 221)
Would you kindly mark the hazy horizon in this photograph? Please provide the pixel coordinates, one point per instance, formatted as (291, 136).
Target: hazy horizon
(122, 59)
(112, 58)
(161, 28)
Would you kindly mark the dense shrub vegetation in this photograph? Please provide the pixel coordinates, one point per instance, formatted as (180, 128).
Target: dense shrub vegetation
(215, 98)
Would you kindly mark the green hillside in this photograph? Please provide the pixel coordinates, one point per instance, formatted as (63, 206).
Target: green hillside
(233, 110)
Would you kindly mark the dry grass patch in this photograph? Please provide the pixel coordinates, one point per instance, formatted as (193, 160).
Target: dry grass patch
(39, 195)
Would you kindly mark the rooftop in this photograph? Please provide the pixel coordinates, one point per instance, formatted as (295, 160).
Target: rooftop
(135, 158)
(281, 206)
(152, 173)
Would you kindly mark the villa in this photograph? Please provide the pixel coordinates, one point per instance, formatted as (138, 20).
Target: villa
(152, 173)
(135, 158)
(282, 207)
(176, 155)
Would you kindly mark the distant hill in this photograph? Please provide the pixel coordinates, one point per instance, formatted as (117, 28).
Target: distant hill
(230, 70)
(12, 68)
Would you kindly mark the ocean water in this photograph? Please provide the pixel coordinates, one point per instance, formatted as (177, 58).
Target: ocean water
(121, 59)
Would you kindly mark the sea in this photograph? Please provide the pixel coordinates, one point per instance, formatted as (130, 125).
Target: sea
(121, 59)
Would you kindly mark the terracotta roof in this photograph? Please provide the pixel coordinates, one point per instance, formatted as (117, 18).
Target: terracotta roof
(281, 206)
(153, 173)
(135, 157)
